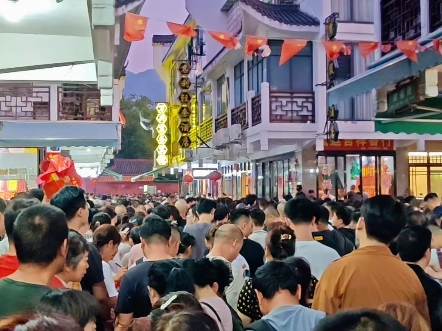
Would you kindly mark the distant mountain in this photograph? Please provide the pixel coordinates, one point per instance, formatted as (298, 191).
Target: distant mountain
(146, 83)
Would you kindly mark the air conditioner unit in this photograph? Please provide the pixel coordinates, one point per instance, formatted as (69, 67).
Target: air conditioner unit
(235, 135)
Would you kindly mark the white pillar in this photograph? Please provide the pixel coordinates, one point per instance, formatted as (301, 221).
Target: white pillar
(319, 77)
(425, 14)
(265, 103)
(53, 102)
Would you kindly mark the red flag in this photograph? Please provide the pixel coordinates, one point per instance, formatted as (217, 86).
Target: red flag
(122, 118)
(58, 172)
(366, 48)
(386, 48)
(290, 48)
(253, 43)
(408, 47)
(437, 45)
(332, 48)
(226, 39)
(181, 30)
(346, 50)
(134, 27)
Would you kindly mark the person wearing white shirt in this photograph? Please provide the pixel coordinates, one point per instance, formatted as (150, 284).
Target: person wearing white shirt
(259, 234)
(226, 246)
(302, 214)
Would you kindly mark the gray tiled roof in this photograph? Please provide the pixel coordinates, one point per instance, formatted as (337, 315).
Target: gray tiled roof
(286, 14)
(163, 39)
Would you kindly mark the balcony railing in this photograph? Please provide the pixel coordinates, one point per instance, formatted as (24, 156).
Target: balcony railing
(24, 102)
(221, 122)
(292, 107)
(239, 116)
(401, 20)
(435, 14)
(206, 129)
(81, 102)
(256, 110)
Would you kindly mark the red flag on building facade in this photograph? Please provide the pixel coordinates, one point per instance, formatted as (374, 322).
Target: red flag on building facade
(333, 48)
(181, 30)
(408, 47)
(290, 48)
(253, 43)
(134, 27)
(122, 118)
(367, 47)
(226, 39)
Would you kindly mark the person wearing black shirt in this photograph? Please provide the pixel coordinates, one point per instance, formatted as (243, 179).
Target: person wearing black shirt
(71, 200)
(133, 299)
(341, 218)
(251, 250)
(331, 238)
(414, 247)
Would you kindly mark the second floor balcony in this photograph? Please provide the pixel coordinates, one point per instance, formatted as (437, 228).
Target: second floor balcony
(400, 20)
(52, 103)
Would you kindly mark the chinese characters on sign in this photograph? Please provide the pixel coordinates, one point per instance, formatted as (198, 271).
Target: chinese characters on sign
(359, 145)
(402, 96)
(162, 150)
(184, 99)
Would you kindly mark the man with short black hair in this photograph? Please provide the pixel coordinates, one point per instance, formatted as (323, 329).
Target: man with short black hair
(9, 261)
(251, 250)
(72, 201)
(222, 213)
(133, 299)
(303, 214)
(331, 238)
(40, 237)
(362, 320)
(431, 201)
(259, 234)
(205, 210)
(278, 292)
(414, 247)
(371, 275)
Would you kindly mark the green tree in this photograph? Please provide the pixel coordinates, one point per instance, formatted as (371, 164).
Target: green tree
(136, 142)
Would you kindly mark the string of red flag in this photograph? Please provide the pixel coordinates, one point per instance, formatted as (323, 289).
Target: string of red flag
(136, 25)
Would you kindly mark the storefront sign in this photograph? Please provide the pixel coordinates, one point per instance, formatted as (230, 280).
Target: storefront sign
(184, 99)
(359, 145)
(162, 151)
(403, 96)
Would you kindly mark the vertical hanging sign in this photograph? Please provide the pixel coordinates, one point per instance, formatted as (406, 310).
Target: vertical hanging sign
(184, 99)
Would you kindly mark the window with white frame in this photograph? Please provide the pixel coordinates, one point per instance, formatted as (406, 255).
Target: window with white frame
(222, 95)
(255, 73)
(239, 84)
(354, 10)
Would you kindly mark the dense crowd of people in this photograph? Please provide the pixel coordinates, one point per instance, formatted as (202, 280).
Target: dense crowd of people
(169, 263)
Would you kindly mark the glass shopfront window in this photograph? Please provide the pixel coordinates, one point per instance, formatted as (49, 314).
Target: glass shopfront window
(370, 174)
(425, 173)
(274, 179)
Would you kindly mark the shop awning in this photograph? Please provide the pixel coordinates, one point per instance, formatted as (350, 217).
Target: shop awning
(60, 133)
(389, 70)
(422, 118)
(152, 172)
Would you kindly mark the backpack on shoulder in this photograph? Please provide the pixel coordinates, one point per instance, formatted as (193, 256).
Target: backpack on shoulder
(236, 320)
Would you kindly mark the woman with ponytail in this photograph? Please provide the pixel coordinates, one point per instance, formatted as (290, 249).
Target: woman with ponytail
(168, 276)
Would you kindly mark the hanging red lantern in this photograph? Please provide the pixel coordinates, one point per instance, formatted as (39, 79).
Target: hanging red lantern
(187, 178)
(215, 175)
(94, 182)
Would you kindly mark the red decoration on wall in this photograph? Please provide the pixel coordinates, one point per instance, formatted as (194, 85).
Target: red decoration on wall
(188, 179)
(253, 43)
(290, 48)
(367, 47)
(359, 145)
(214, 176)
(409, 48)
(333, 48)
